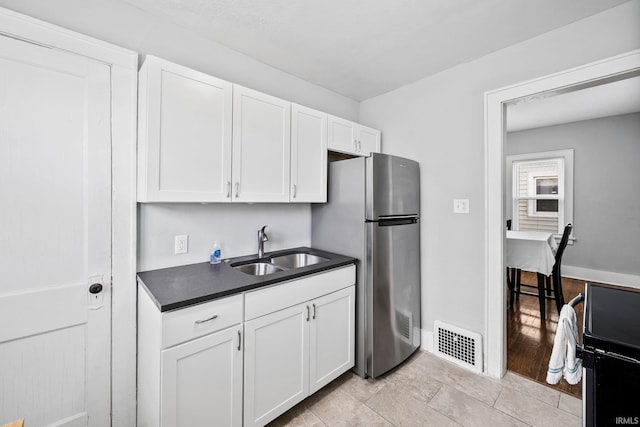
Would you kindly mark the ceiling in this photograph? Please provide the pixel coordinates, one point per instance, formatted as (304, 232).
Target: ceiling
(548, 109)
(361, 49)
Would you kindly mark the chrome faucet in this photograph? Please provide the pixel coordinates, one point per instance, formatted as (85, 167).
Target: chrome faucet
(262, 237)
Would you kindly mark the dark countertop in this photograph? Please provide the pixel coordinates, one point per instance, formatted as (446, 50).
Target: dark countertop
(179, 287)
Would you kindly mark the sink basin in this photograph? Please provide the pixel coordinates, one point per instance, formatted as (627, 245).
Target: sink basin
(258, 268)
(297, 260)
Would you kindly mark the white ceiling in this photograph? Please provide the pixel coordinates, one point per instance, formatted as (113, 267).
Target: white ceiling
(609, 99)
(360, 48)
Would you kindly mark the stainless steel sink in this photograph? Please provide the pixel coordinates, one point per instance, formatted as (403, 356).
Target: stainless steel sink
(258, 268)
(297, 260)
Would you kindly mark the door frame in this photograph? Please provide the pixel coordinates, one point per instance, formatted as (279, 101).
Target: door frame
(124, 73)
(495, 115)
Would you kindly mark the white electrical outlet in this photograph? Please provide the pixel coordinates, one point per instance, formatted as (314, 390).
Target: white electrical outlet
(181, 244)
(461, 206)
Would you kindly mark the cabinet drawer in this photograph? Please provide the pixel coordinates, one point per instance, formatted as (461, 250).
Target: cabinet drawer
(274, 298)
(189, 323)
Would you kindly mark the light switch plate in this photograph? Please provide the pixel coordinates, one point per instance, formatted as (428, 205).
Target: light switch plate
(181, 244)
(461, 206)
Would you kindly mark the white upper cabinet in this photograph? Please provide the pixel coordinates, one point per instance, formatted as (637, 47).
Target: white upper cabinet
(368, 141)
(202, 139)
(184, 134)
(308, 155)
(261, 146)
(352, 138)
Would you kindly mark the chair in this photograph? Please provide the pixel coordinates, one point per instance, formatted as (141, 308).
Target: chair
(511, 275)
(549, 287)
(556, 273)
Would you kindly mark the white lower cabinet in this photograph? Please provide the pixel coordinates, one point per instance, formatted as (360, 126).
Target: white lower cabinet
(293, 352)
(276, 364)
(247, 358)
(190, 364)
(331, 340)
(202, 381)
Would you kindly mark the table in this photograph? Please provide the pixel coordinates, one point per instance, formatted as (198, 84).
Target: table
(531, 251)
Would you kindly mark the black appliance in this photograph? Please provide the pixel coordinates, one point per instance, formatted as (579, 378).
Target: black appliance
(611, 356)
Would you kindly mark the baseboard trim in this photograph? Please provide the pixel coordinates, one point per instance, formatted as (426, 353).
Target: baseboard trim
(601, 276)
(427, 341)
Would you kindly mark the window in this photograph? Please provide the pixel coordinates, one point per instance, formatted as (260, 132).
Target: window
(541, 190)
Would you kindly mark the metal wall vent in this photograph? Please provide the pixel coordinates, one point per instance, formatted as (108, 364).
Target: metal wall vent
(458, 345)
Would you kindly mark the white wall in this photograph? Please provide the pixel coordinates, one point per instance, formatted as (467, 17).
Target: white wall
(234, 225)
(439, 121)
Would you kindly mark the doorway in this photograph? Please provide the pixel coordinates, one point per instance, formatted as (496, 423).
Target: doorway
(618, 67)
(601, 124)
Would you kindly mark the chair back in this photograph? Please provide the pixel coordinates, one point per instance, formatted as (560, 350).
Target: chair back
(563, 242)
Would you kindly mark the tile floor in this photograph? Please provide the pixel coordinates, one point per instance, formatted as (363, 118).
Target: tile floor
(429, 391)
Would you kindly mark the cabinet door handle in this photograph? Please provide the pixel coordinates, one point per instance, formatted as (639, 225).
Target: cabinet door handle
(295, 190)
(307, 313)
(228, 189)
(314, 311)
(359, 146)
(237, 189)
(215, 316)
(239, 340)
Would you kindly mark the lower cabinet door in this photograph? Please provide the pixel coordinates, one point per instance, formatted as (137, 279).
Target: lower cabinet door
(276, 363)
(202, 381)
(332, 334)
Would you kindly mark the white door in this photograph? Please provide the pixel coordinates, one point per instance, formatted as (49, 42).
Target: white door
(185, 135)
(332, 333)
(261, 147)
(55, 236)
(202, 381)
(308, 155)
(368, 141)
(342, 135)
(276, 370)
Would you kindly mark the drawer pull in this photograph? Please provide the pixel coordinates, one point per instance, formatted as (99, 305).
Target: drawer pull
(206, 320)
(314, 311)
(307, 313)
(239, 340)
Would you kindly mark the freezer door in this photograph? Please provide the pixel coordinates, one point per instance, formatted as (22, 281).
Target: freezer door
(393, 290)
(393, 187)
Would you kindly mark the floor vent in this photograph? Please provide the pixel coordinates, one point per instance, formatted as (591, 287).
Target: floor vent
(458, 345)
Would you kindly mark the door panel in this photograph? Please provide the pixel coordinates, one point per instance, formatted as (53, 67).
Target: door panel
(261, 147)
(308, 155)
(393, 288)
(332, 335)
(276, 370)
(202, 381)
(55, 180)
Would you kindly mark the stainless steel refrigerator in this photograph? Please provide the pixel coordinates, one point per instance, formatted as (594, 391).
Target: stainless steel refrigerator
(373, 214)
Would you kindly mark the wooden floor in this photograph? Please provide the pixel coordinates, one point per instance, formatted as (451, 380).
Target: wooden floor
(529, 341)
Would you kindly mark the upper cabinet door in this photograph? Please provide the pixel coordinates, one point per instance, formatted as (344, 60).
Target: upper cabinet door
(352, 138)
(342, 135)
(261, 147)
(184, 144)
(308, 155)
(368, 141)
